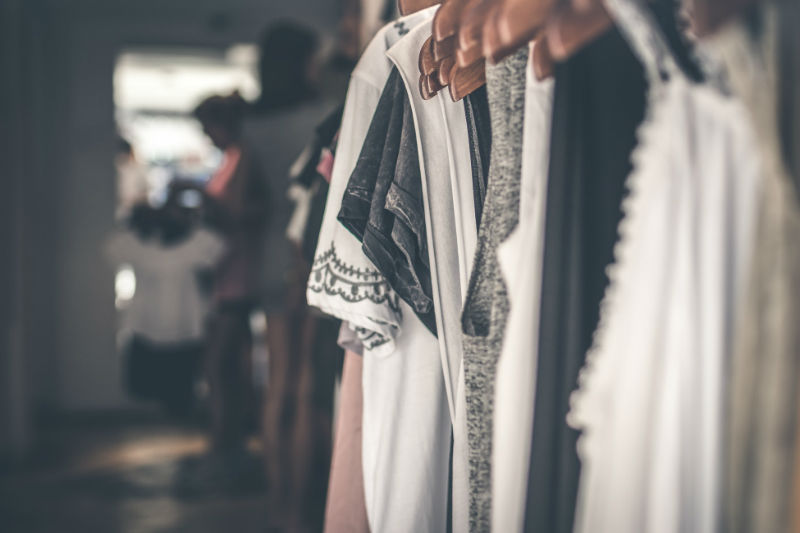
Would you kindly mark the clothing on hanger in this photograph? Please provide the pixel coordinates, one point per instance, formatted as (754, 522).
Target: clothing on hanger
(604, 262)
(406, 430)
(486, 305)
(345, 510)
(382, 204)
(650, 403)
(443, 145)
(593, 135)
(520, 259)
(479, 128)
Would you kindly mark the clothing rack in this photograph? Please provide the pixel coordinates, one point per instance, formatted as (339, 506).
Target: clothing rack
(568, 281)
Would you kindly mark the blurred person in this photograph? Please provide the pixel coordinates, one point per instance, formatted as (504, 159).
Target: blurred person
(132, 187)
(349, 31)
(163, 321)
(298, 92)
(235, 204)
(278, 126)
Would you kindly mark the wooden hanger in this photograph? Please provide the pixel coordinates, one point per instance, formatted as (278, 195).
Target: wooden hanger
(492, 47)
(423, 88)
(448, 73)
(518, 22)
(469, 56)
(470, 29)
(569, 30)
(407, 7)
(541, 59)
(429, 85)
(442, 65)
(427, 63)
(446, 69)
(464, 81)
(447, 19)
(438, 70)
(432, 83)
(506, 26)
(444, 48)
(434, 76)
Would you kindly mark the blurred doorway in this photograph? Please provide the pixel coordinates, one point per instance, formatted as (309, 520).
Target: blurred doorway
(155, 91)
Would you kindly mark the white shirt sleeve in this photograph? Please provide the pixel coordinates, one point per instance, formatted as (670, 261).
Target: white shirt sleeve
(343, 282)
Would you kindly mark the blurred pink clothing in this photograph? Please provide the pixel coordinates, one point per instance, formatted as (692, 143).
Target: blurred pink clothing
(237, 205)
(219, 181)
(325, 165)
(346, 510)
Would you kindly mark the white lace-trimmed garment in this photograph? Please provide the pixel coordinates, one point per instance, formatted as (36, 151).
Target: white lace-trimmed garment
(520, 258)
(651, 397)
(406, 424)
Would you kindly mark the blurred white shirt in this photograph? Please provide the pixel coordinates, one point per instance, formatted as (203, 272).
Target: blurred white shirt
(167, 305)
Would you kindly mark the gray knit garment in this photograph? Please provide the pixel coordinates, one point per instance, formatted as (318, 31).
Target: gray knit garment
(486, 307)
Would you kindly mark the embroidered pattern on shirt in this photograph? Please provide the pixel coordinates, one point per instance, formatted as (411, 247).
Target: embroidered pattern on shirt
(370, 339)
(334, 277)
(401, 28)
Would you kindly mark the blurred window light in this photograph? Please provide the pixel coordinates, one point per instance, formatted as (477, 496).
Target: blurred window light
(124, 286)
(155, 91)
(173, 82)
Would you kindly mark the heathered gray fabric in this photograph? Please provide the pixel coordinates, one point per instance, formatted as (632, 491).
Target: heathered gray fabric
(486, 307)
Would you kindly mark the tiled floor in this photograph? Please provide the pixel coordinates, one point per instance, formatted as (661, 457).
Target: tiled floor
(118, 476)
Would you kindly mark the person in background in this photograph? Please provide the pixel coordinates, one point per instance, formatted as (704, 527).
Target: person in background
(299, 396)
(163, 320)
(235, 205)
(132, 186)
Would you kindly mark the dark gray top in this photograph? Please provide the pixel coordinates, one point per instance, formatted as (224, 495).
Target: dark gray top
(383, 204)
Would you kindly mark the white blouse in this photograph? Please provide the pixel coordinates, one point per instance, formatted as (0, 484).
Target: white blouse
(452, 235)
(651, 396)
(406, 424)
